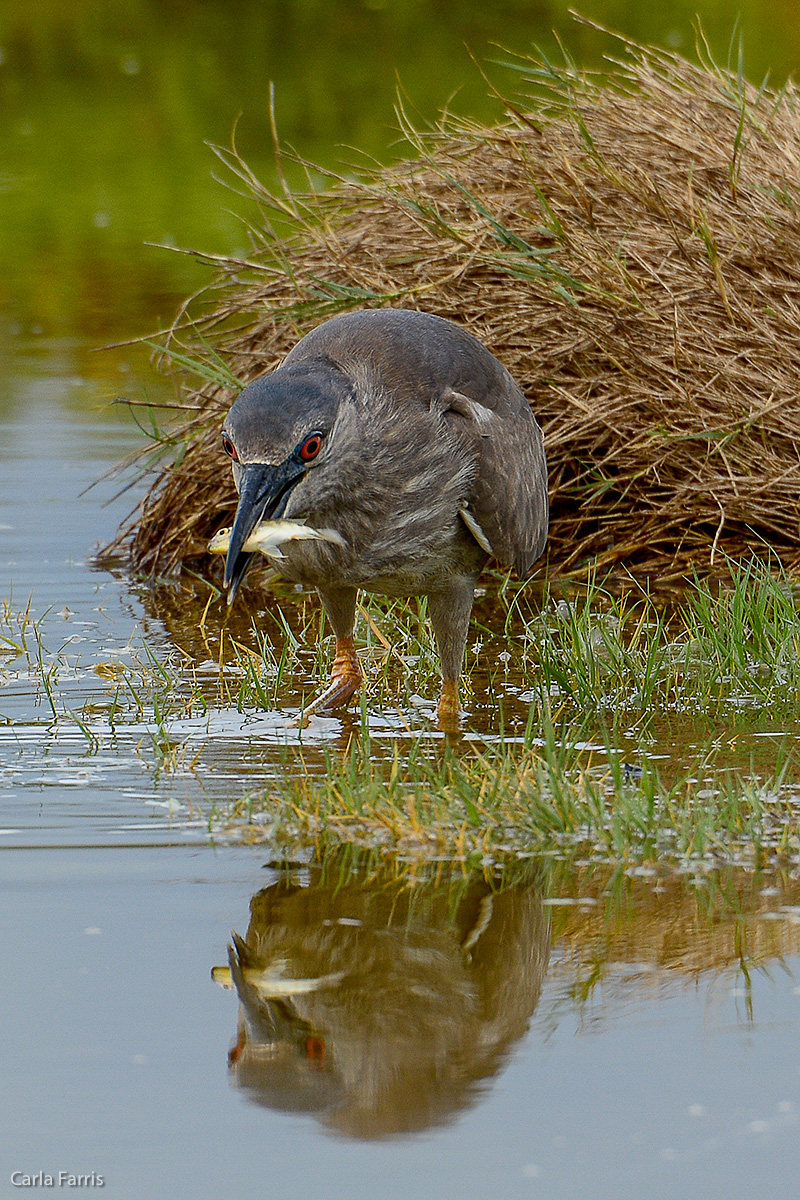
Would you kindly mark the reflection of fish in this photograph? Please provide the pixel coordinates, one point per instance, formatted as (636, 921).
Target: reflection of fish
(268, 537)
(273, 985)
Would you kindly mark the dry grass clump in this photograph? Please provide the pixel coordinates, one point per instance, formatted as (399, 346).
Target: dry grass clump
(628, 245)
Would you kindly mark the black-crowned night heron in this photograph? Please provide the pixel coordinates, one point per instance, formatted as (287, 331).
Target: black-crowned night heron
(413, 452)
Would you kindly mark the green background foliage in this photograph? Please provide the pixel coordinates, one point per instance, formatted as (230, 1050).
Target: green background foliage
(105, 109)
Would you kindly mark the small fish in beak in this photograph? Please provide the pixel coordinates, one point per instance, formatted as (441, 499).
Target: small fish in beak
(269, 536)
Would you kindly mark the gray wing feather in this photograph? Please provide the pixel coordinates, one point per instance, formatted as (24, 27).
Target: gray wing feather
(509, 492)
(424, 359)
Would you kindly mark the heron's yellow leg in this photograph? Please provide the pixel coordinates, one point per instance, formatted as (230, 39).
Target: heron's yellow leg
(449, 707)
(344, 682)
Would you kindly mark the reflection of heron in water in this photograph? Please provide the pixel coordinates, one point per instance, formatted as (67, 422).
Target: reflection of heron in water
(378, 1002)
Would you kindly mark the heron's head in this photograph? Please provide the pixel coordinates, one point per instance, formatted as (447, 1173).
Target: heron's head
(277, 433)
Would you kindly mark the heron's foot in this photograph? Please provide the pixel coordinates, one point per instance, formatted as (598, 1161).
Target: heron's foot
(449, 712)
(344, 682)
(235, 1052)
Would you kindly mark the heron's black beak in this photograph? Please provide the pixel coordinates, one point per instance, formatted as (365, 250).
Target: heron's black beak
(263, 492)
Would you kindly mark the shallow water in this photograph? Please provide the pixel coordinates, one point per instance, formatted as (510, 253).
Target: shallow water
(433, 1030)
(558, 1031)
(467, 1036)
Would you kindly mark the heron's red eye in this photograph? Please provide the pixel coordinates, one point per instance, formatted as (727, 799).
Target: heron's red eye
(229, 448)
(315, 1048)
(311, 447)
